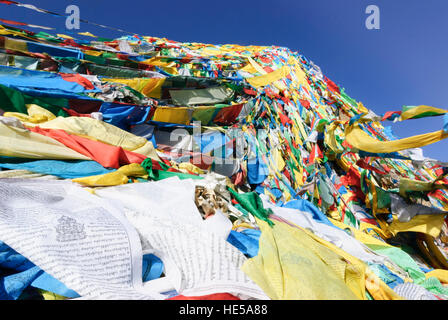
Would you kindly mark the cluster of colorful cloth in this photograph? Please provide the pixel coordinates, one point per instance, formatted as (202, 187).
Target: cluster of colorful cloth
(229, 172)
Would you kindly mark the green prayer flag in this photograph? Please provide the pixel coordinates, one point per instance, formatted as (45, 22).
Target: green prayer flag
(252, 202)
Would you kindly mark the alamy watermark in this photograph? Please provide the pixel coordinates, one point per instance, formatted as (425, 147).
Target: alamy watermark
(74, 17)
(223, 149)
(373, 20)
(72, 21)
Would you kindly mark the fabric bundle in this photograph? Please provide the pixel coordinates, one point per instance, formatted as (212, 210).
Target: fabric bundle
(145, 168)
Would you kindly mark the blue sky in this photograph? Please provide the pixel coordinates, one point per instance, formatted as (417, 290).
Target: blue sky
(403, 63)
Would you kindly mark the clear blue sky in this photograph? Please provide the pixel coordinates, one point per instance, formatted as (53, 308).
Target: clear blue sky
(403, 63)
